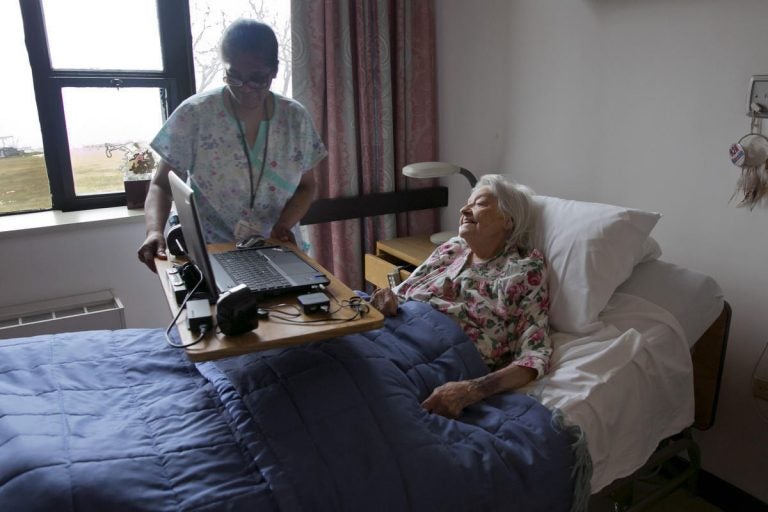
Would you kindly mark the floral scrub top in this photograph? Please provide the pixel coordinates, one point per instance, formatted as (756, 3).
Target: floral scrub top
(202, 136)
(502, 304)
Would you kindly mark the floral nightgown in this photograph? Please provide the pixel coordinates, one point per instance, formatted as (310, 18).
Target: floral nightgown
(502, 304)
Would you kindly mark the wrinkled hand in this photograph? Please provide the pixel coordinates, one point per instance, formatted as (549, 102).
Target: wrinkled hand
(450, 399)
(385, 300)
(283, 233)
(153, 247)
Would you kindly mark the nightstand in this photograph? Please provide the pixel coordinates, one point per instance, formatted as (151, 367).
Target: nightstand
(399, 256)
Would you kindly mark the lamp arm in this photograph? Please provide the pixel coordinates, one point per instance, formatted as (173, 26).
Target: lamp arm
(471, 177)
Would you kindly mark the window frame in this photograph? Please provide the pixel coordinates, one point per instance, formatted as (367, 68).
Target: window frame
(176, 81)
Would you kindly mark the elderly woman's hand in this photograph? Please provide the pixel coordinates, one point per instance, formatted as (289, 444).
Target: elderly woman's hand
(451, 398)
(385, 300)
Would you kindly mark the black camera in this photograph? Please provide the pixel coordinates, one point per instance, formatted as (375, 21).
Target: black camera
(237, 311)
(174, 237)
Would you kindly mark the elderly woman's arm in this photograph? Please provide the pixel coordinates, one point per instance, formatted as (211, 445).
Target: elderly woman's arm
(452, 397)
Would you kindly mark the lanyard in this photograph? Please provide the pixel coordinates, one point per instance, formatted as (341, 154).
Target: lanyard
(248, 155)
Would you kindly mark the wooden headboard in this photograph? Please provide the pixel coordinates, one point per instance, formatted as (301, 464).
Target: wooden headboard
(708, 356)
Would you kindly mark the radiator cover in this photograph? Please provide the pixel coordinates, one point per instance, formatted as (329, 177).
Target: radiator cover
(83, 312)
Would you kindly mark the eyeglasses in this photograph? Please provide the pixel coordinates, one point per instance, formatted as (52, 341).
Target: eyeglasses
(254, 82)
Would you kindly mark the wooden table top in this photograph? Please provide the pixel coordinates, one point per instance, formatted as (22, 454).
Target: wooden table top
(273, 332)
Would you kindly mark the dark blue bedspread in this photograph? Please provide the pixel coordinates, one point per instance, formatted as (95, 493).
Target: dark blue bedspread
(117, 420)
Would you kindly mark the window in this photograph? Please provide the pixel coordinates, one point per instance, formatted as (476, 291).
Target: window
(208, 20)
(101, 74)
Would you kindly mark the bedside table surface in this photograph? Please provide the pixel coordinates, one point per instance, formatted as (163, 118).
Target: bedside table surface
(410, 249)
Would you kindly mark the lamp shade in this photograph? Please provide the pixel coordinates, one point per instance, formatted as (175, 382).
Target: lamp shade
(437, 170)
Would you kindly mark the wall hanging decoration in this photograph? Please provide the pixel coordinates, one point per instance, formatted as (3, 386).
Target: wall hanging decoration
(750, 154)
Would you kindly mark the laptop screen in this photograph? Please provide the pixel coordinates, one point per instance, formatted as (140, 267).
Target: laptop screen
(186, 208)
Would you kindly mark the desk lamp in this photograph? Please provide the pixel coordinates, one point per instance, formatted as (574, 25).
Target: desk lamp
(438, 170)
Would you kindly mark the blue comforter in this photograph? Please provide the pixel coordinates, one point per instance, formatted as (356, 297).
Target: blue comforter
(117, 420)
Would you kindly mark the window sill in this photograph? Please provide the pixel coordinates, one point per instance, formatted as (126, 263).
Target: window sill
(57, 221)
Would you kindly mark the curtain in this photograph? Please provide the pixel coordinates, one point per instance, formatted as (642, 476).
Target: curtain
(365, 70)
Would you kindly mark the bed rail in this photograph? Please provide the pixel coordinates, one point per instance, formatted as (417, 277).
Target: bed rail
(708, 356)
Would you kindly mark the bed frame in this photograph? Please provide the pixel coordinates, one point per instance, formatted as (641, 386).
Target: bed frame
(708, 355)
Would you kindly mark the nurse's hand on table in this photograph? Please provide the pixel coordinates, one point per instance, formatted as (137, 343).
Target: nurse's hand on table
(283, 233)
(385, 300)
(153, 247)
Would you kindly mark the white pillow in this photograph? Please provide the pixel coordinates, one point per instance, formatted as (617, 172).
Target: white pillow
(590, 248)
(651, 251)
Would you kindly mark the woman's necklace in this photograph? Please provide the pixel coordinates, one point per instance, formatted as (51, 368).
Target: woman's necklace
(247, 152)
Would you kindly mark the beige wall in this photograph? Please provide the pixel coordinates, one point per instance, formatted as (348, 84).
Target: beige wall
(57, 262)
(632, 103)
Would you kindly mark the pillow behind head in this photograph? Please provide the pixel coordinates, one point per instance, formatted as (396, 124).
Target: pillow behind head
(591, 248)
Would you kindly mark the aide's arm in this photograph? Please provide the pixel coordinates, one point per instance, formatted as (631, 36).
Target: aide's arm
(296, 207)
(157, 207)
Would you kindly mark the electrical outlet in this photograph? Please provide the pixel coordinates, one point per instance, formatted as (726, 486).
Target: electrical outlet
(760, 377)
(758, 93)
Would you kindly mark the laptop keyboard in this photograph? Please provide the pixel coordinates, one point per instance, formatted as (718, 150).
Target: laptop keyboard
(252, 269)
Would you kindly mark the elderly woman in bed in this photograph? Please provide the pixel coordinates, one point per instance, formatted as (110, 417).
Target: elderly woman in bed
(494, 285)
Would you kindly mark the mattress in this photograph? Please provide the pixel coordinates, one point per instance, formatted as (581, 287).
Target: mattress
(630, 384)
(694, 299)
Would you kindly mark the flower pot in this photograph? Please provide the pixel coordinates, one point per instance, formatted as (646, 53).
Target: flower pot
(136, 193)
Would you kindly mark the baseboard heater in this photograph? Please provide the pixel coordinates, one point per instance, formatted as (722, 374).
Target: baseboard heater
(83, 312)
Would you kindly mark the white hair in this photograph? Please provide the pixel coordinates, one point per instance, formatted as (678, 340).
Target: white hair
(515, 204)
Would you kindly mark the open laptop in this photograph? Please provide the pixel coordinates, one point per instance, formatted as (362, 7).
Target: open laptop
(267, 271)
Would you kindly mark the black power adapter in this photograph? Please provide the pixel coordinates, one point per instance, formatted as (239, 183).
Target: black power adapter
(314, 303)
(199, 315)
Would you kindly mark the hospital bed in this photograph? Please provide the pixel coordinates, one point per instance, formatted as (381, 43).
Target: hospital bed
(118, 420)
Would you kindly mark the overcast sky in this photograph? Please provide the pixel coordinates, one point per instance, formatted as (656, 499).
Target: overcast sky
(79, 38)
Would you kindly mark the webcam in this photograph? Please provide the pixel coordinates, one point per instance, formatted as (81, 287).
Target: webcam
(237, 311)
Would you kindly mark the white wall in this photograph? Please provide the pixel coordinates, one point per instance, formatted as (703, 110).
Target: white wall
(71, 260)
(631, 103)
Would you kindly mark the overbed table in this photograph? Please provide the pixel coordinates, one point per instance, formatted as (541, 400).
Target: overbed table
(271, 332)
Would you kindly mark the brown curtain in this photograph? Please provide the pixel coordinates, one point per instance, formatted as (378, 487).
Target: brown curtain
(365, 69)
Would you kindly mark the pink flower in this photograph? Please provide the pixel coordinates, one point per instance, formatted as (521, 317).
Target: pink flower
(534, 278)
(515, 291)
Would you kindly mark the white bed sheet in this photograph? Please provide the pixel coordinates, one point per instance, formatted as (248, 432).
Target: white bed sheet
(628, 386)
(693, 298)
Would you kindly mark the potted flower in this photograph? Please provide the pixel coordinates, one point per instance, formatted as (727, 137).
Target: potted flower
(138, 166)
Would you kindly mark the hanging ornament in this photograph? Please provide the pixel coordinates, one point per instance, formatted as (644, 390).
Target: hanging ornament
(750, 153)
